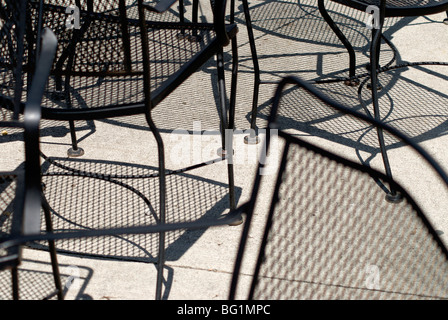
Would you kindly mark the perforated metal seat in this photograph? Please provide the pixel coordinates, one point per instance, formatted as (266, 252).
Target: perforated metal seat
(120, 62)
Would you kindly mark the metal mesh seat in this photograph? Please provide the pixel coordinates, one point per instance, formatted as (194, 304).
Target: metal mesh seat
(20, 189)
(102, 195)
(114, 59)
(100, 74)
(330, 233)
(99, 70)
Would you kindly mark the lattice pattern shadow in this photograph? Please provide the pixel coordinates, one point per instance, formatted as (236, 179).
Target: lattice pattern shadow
(333, 236)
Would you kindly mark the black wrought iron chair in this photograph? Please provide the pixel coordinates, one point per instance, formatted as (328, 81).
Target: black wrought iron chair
(252, 138)
(109, 48)
(330, 233)
(20, 189)
(380, 9)
(115, 65)
(391, 9)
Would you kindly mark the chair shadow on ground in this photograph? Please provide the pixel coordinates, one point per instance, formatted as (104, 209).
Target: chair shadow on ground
(301, 27)
(36, 280)
(129, 198)
(314, 53)
(299, 111)
(182, 109)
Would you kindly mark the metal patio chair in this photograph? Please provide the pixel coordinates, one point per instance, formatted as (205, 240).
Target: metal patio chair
(115, 65)
(99, 70)
(119, 63)
(391, 9)
(20, 189)
(382, 9)
(252, 138)
(329, 231)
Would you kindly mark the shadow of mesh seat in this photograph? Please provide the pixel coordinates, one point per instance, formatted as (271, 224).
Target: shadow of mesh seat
(116, 195)
(380, 10)
(121, 62)
(20, 190)
(331, 234)
(99, 68)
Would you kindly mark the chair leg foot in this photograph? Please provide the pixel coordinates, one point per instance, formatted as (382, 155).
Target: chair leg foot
(238, 221)
(394, 197)
(379, 87)
(251, 139)
(75, 153)
(352, 82)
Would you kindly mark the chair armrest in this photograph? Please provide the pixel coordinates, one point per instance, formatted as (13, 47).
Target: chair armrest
(32, 115)
(161, 6)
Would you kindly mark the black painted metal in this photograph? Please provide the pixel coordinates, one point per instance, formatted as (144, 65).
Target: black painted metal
(26, 199)
(342, 38)
(394, 9)
(77, 61)
(400, 8)
(386, 9)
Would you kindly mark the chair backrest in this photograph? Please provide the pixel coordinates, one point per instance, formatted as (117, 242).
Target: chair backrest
(20, 190)
(330, 233)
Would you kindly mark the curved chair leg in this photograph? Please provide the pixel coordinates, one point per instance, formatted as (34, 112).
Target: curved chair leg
(226, 124)
(392, 195)
(52, 249)
(227, 117)
(253, 137)
(162, 195)
(345, 42)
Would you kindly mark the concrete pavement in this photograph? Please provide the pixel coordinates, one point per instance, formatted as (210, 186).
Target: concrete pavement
(291, 40)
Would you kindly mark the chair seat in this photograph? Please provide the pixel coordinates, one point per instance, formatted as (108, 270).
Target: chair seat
(400, 8)
(101, 79)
